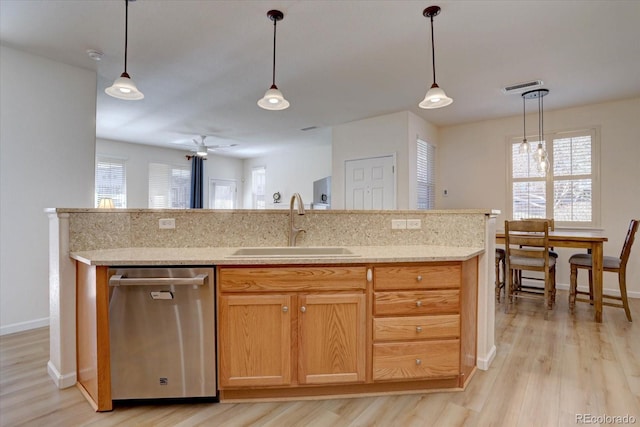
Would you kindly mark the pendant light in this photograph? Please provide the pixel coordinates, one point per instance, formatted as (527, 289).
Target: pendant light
(524, 146)
(273, 98)
(435, 98)
(540, 156)
(124, 87)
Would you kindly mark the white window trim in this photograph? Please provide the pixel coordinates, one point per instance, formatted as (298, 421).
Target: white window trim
(595, 224)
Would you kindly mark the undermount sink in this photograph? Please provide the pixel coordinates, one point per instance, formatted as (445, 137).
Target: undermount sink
(293, 251)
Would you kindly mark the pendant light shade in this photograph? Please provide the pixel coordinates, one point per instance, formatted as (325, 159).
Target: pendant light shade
(435, 98)
(273, 98)
(124, 87)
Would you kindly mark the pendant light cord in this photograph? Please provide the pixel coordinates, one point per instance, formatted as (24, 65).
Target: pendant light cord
(433, 52)
(275, 21)
(126, 30)
(524, 120)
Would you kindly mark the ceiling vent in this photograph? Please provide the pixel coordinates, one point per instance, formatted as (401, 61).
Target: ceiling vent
(521, 87)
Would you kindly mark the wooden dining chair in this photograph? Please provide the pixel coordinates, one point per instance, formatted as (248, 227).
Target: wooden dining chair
(520, 282)
(527, 248)
(609, 263)
(500, 281)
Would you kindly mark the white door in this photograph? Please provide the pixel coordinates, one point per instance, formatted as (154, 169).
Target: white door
(370, 183)
(222, 194)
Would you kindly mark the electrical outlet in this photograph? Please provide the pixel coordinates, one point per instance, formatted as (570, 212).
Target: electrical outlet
(167, 223)
(414, 224)
(398, 224)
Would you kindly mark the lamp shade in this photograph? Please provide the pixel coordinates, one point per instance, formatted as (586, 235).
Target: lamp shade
(273, 100)
(435, 98)
(124, 88)
(106, 203)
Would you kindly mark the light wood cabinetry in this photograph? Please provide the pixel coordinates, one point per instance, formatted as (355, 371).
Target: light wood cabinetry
(285, 326)
(418, 313)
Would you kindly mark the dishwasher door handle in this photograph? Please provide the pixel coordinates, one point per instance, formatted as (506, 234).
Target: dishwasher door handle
(120, 280)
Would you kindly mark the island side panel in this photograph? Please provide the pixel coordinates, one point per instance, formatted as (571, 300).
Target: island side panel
(469, 320)
(93, 351)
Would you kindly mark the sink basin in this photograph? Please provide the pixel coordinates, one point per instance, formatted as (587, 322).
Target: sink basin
(292, 252)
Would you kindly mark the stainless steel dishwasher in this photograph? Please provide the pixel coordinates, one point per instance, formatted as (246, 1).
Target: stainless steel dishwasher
(162, 332)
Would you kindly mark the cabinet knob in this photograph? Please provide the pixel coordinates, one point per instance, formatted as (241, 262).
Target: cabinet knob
(418, 329)
(418, 362)
(303, 309)
(369, 275)
(285, 309)
(419, 278)
(418, 303)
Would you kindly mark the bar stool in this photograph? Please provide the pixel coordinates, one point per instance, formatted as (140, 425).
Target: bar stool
(500, 255)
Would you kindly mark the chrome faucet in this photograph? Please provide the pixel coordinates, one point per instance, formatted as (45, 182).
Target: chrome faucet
(293, 231)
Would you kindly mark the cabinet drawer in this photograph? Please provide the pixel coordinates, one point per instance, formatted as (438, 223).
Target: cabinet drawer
(330, 278)
(415, 328)
(415, 303)
(421, 276)
(416, 360)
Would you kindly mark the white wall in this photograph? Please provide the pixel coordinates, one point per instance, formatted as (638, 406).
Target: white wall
(480, 151)
(380, 136)
(47, 152)
(372, 137)
(139, 156)
(288, 172)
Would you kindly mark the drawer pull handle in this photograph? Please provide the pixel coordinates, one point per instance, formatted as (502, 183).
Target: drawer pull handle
(418, 329)
(303, 309)
(418, 303)
(419, 278)
(285, 309)
(418, 362)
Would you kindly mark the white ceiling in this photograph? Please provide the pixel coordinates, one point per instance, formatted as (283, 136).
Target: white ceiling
(203, 64)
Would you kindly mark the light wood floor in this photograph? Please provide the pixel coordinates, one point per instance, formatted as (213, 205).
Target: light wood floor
(545, 373)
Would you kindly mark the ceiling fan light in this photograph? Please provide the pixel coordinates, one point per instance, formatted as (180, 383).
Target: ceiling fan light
(273, 100)
(124, 88)
(435, 98)
(202, 150)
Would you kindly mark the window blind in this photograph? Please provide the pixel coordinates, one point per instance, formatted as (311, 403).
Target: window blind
(426, 175)
(169, 186)
(111, 181)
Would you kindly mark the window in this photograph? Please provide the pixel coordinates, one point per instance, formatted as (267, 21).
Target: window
(169, 186)
(568, 192)
(222, 194)
(426, 175)
(111, 181)
(258, 187)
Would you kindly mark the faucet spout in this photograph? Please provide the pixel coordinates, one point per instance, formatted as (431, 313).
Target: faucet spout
(293, 231)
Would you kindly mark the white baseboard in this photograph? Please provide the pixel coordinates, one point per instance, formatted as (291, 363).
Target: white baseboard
(585, 288)
(484, 362)
(24, 326)
(62, 381)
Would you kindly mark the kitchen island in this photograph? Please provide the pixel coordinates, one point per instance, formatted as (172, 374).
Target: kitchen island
(378, 320)
(453, 241)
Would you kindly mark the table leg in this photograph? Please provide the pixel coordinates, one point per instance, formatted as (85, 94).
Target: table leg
(596, 259)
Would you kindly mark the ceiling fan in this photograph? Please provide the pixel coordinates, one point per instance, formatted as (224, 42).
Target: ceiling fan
(203, 149)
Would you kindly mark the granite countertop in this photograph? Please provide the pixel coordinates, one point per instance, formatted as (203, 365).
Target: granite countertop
(224, 256)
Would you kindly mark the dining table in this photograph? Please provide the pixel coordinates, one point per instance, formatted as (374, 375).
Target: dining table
(593, 241)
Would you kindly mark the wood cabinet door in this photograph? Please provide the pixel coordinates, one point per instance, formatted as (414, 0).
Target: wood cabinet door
(255, 340)
(331, 338)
